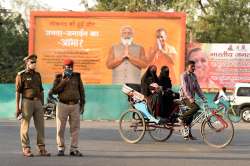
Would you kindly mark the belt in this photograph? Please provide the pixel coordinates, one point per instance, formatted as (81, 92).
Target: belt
(71, 102)
(32, 98)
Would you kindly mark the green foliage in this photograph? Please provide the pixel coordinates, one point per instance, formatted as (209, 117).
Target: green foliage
(13, 45)
(128, 5)
(227, 21)
(211, 21)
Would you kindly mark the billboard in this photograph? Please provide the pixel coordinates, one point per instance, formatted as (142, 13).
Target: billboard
(219, 65)
(89, 38)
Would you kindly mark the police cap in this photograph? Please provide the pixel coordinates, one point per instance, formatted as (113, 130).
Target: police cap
(68, 62)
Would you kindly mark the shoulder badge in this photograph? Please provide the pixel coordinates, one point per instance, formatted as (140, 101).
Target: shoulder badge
(21, 72)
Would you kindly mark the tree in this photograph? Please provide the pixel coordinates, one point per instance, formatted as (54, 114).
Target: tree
(211, 21)
(25, 6)
(14, 36)
(127, 5)
(13, 44)
(226, 21)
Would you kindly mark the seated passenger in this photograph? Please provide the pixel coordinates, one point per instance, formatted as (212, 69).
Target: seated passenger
(168, 106)
(151, 90)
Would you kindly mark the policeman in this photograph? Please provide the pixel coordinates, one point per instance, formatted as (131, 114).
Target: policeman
(69, 88)
(29, 101)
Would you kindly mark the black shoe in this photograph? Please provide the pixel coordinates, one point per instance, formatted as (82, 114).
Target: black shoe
(192, 137)
(60, 153)
(75, 153)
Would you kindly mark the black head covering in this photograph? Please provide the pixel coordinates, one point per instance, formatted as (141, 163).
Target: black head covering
(148, 78)
(164, 79)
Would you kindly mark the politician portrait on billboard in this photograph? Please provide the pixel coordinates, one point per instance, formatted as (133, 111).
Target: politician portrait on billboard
(108, 47)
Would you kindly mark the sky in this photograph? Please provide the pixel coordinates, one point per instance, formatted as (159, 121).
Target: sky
(60, 5)
(67, 4)
(64, 4)
(52, 5)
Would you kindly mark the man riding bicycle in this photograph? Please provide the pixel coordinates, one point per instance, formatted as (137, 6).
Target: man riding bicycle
(190, 87)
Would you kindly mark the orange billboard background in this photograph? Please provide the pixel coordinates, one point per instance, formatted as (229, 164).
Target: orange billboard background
(87, 37)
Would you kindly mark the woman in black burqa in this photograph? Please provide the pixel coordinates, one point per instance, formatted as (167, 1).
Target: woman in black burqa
(168, 106)
(151, 90)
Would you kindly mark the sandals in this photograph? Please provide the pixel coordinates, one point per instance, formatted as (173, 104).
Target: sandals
(76, 153)
(43, 152)
(27, 152)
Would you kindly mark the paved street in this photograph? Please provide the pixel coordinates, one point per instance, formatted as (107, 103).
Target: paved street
(101, 145)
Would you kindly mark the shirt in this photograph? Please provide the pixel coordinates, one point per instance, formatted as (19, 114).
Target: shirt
(221, 96)
(126, 72)
(190, 86)
(71, 90)
(29, 84)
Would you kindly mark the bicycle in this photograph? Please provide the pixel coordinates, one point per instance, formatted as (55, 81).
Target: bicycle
(134, 123)
(49, 109)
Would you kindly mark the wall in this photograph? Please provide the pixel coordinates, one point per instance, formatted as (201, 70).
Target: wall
(103, 102)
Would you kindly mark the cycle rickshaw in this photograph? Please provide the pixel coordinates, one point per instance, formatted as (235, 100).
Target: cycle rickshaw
(215, 130)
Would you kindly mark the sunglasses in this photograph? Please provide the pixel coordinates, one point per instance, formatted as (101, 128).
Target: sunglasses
(32, 62)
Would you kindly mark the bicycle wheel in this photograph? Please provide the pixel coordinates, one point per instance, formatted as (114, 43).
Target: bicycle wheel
(160, 132)
(232, 115)
(132, 126)
(217, 133)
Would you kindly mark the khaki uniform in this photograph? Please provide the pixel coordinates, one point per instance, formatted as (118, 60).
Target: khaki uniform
(29, 85)
(71, 100)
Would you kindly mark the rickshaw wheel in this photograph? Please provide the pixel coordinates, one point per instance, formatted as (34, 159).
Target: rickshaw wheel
(160, 133)
(132, 126)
